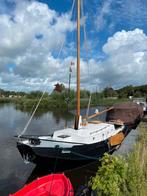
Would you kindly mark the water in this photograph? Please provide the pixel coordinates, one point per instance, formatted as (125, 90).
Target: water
(13, 172)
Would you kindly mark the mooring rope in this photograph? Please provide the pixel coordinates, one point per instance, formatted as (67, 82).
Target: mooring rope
(89, 157)
(85, 156)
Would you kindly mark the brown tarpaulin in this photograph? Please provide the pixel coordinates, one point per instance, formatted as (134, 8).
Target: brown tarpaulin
(130, 113)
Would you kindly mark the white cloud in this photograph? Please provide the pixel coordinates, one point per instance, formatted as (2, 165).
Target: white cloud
(125, 63)
(30, 19)
(36, 64)
(133, 40)
(127, 55)
(102, 12)
(19, 44)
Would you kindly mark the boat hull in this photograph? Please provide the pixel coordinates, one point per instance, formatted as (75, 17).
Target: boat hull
(63, 158)
(53, 184)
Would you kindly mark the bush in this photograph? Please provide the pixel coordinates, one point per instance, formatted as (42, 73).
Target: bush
(110, 177)
(118, 176)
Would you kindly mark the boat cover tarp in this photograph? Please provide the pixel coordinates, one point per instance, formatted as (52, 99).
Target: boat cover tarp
(130, 113)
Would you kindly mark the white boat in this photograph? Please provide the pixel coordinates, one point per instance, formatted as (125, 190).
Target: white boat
(81, 145)
(142, 102)
(86, 141)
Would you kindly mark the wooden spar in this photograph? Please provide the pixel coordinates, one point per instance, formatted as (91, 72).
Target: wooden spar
(78, 58)
(99, 113)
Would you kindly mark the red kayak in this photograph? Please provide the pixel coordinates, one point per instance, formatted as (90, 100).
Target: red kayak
(50, 185)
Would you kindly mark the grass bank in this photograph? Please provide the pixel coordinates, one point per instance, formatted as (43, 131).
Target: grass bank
(60, 104)
(119, 176)
(57, 102)
(46, 103)
(108, 101)
(6, 100)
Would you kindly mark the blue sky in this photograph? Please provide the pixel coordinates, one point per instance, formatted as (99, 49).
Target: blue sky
(115, 16)
(38, 42)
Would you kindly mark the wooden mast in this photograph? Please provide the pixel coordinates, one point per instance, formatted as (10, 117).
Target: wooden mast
(78, 66)
(78, 58)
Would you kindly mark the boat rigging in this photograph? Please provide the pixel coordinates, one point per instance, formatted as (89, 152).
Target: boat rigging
(81, 144)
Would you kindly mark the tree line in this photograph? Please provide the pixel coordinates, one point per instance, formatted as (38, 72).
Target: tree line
(60, 92)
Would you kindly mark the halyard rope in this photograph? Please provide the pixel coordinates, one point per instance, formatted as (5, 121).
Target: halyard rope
(86, 48)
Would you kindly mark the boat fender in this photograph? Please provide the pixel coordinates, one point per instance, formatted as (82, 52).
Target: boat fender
(96, 111)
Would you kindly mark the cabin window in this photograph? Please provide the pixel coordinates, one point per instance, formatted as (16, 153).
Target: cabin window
(63, 136)
(117, 126)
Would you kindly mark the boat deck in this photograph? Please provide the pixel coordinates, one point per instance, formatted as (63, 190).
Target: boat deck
(85, 135)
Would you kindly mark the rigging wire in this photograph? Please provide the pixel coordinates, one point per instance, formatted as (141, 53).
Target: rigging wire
(70, 14)
(85, 35)
(37, 105)
(86, 48)
(59, 148)
(87, 111)
(72, 8)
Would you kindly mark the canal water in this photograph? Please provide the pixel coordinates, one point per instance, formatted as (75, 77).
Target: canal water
(14, 173)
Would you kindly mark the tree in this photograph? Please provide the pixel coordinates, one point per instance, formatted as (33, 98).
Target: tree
(59, 87)
(109, 92)
(34, 94)
(84, 93)
(126, 91)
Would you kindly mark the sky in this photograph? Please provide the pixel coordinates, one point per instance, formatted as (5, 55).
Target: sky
(38, 43)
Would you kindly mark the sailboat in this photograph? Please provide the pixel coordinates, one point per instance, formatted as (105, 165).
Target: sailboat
(84, 142)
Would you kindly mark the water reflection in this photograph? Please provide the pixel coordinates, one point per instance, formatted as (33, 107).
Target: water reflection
(62, 116)
(40, 112)
(78, 176)
(14, 172)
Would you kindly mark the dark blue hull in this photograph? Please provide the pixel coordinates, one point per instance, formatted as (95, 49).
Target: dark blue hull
(77, 155)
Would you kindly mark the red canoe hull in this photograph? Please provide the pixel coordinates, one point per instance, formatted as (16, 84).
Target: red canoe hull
(53, 185)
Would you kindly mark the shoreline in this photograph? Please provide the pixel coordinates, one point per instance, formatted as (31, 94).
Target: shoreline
(59, 104)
